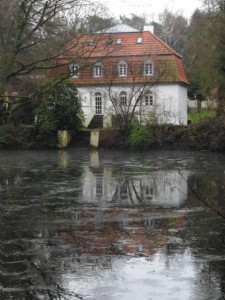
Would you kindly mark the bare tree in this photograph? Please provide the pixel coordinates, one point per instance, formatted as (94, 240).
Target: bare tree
(173, 29)
(130, 103)
(32, 35)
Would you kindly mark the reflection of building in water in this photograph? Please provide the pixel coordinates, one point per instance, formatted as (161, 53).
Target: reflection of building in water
(111, 222)
(102, 186)
(63, 159)
(123, 214)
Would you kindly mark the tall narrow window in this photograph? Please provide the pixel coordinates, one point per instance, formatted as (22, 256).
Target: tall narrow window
(149, 99)
(99, 186)
(124, 189)
(122, 68)
(148, 68)
(98, 70)
(98, 103)
(74, 69)
(148, 191)
(123, 98)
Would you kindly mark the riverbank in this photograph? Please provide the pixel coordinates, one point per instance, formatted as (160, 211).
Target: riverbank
(209, 135)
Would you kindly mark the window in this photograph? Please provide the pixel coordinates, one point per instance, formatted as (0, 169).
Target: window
(98, 103)
(148, 68)
(149, 99)
(90, 42)
(97, 70)
(119, 41)
(139, 40)
(122, 68)
(148, 191)
(123, 98)
(74, 69)
(99, 186)
(110, 41)
(124, 190)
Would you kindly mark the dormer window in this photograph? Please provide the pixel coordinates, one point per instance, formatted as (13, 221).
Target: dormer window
(139, 40)
(110, 41)
(74, 69)
(119, 41)
(91, 42)
(148, 68)
(98, 70)
(122, 68)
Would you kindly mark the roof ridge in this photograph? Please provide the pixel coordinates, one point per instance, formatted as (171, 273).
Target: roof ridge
(117, 29)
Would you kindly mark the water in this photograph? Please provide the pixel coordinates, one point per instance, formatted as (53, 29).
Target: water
(81, 224)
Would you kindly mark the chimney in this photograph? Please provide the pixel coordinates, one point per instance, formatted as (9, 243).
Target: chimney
(149, 28)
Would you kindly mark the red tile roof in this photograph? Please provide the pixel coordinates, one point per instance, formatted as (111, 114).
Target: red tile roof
(90, 48)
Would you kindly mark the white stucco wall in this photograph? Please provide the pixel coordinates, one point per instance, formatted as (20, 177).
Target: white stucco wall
(182, 101)
(170, 102)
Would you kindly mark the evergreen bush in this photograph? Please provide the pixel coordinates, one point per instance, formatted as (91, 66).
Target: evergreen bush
(140, 136)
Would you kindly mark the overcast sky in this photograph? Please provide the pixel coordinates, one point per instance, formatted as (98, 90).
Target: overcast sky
(151, 8)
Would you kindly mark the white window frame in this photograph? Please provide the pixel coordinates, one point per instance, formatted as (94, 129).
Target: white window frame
(98, 103)
(149, 99)
(119, 41)
(98, 70)
(123, 98)
(139, 40)
(122, 68)
(148, 68)
(74, 69)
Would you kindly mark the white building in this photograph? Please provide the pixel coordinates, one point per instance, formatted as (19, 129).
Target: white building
(126, 71)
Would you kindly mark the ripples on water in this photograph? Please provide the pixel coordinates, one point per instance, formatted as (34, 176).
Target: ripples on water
(111, 225)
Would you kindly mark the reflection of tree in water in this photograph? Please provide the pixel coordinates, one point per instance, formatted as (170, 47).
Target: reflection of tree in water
(204, 235)
(31, 205)
(134, 191)
(210, 190)
(30, 253)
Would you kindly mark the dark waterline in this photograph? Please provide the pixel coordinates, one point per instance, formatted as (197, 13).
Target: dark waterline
(80, 224)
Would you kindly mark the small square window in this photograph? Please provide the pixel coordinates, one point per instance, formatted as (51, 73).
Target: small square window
(119, 41)
(90, 42)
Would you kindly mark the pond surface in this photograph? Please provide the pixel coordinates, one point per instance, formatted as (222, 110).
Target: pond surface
(82, 224)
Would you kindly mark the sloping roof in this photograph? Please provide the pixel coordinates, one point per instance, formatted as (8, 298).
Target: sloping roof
(100, 45)
(123, 42)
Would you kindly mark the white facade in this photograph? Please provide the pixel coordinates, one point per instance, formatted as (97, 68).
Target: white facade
(169, 103)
